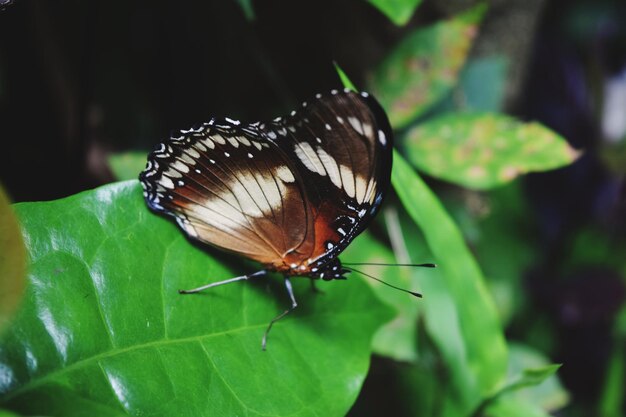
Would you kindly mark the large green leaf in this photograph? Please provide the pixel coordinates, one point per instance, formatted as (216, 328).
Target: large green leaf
(484, 150)
(424, 67)
(459, 313)
(12, 262)
(104, 332)
(398, 11)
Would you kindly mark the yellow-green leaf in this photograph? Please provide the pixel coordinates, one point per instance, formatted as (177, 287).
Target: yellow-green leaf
(424, 67)
(484, 150)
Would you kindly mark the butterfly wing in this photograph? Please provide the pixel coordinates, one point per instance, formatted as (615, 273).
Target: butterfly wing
(291, 194)
(341, 144)
(228, 186)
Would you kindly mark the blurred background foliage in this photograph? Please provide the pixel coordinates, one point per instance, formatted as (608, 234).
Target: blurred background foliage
(514, 112)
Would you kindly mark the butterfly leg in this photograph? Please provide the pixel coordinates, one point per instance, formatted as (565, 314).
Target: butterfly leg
(294, 304)
(315, 289)
(226, 281)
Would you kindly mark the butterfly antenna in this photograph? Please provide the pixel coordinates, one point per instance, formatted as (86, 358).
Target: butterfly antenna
(414, 293)
(427, 265)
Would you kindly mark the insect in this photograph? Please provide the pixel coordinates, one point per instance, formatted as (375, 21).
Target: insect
(291, 193)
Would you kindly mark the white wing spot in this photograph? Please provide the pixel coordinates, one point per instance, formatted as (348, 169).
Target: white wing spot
(327, 126)
(249, 155)
(339, 119)
(382, 138)
(271, 134)
(309, 158)
(284, 173)
(188, 159)
(219, 139)
(331, 166)
(233, 141)
(172, 173)
(235, 122)
(361, 189)
(209, 143)
(347, 179)
(243, 140)
(226, 154)
(356, 124)
(180, 166)
(368, 131)
(167, 183)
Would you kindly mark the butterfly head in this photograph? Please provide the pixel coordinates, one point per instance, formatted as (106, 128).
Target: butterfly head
(329, 271)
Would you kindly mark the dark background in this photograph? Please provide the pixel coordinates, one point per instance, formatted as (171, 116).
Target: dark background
(82, 79)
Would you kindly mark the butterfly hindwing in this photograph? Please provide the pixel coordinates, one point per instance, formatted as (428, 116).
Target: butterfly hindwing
(229, 188)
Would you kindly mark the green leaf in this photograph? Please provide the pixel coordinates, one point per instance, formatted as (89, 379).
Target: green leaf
(4, 413)
(530, 380)
(398, 11)
(424, 67)
(460, 315)
(127, 165)
(104, 332)
(513, 407)
(398, 338)
(481, 151)
(344, 78)
(12, 262)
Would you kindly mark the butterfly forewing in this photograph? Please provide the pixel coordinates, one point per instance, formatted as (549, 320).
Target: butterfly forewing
(291, 193)
(341, 146)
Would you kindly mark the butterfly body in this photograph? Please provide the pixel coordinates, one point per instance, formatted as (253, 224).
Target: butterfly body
(291, 193)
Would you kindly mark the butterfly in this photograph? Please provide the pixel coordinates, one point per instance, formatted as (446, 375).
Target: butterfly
(291, 193)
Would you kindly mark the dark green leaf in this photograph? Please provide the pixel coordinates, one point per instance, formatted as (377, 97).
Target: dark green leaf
(460, 315)
(484, 150)
(127, 165)
(612, 398)
(248, 10)
(481, 86)
(398, 11)
(12, 262)
(103, 328)
(424, 67)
